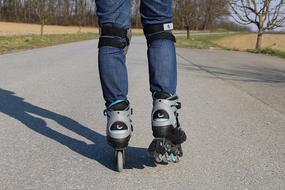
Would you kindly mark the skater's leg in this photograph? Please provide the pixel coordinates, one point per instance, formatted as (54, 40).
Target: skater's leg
(114, 22)
(157, 22)
(156, 19)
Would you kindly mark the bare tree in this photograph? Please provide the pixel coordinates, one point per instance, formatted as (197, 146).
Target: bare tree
(82, 13)
(188, 14)
(213, 10)
(136, 13)
(199, 14)
(40, 7)
(265, 14)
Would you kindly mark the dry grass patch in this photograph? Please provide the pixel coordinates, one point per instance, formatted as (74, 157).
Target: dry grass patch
(9, 29)
(245, 42)
(12, 29)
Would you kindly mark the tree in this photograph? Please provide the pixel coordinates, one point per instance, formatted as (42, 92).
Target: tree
(63, 12)
(212, 11)
(187, 14)
(136, 13)
(199, 14)
(41, 7)
(264, 14)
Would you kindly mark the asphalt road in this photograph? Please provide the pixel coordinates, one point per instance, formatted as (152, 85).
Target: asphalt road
(53, 129)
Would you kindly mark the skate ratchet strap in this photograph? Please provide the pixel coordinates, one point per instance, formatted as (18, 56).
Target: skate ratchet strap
(176, 103)
(159, 32)
(110, 36)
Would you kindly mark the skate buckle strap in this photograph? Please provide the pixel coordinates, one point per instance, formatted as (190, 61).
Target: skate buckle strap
(177, 105)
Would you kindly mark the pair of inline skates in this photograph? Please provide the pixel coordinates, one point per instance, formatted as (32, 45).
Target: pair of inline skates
(168, 136)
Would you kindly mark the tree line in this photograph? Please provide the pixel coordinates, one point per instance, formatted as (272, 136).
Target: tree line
(188, 14)
(196, 14)
(59, 12)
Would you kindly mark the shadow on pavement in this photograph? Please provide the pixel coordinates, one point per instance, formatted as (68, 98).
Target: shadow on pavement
(245, 74)
(29, 115)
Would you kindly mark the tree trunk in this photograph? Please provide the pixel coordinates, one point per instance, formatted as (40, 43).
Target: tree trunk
(42, 27)
(259, 39)
(188, 32)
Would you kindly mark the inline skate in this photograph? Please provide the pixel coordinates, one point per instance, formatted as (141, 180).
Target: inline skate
(119, 129)
(168, 135)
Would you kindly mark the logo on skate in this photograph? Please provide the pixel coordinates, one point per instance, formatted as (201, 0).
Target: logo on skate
(119, 127)
(160, 115)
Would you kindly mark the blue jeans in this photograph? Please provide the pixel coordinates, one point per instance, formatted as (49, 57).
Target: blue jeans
(161, 53)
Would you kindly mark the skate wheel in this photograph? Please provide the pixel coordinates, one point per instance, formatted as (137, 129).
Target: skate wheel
(174, 159)
(157, 157)
(120, 161)
(177, 159)
(165, 158)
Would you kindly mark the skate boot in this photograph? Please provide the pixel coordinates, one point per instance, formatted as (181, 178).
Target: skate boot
(166, 147)
(119, 129)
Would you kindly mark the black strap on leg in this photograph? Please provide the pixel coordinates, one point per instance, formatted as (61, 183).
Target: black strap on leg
(109, 34)
(159, 32)
(161, 36)
(112, 42)
(113, 31)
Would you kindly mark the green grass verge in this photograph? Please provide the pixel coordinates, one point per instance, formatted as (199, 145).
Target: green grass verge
(16, 43)
(206, 41)
(202, 41)
(268, 51)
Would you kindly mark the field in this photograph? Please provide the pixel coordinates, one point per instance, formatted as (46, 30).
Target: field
(272, 44)
(245, 42)
(9, 29)
(18, 36)
(202, 40)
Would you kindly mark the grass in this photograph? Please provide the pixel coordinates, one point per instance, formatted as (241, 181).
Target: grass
(204, 41)
(197, 40)
(16, 43)
(244, 42)
(209, 41)
(268, 51)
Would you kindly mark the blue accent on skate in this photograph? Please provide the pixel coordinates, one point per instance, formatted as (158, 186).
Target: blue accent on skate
(119, 131)
(160, 119)
(116, 102)
(173, 157)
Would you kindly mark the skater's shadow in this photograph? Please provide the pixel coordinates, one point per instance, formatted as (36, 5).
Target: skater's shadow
(32, 117)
